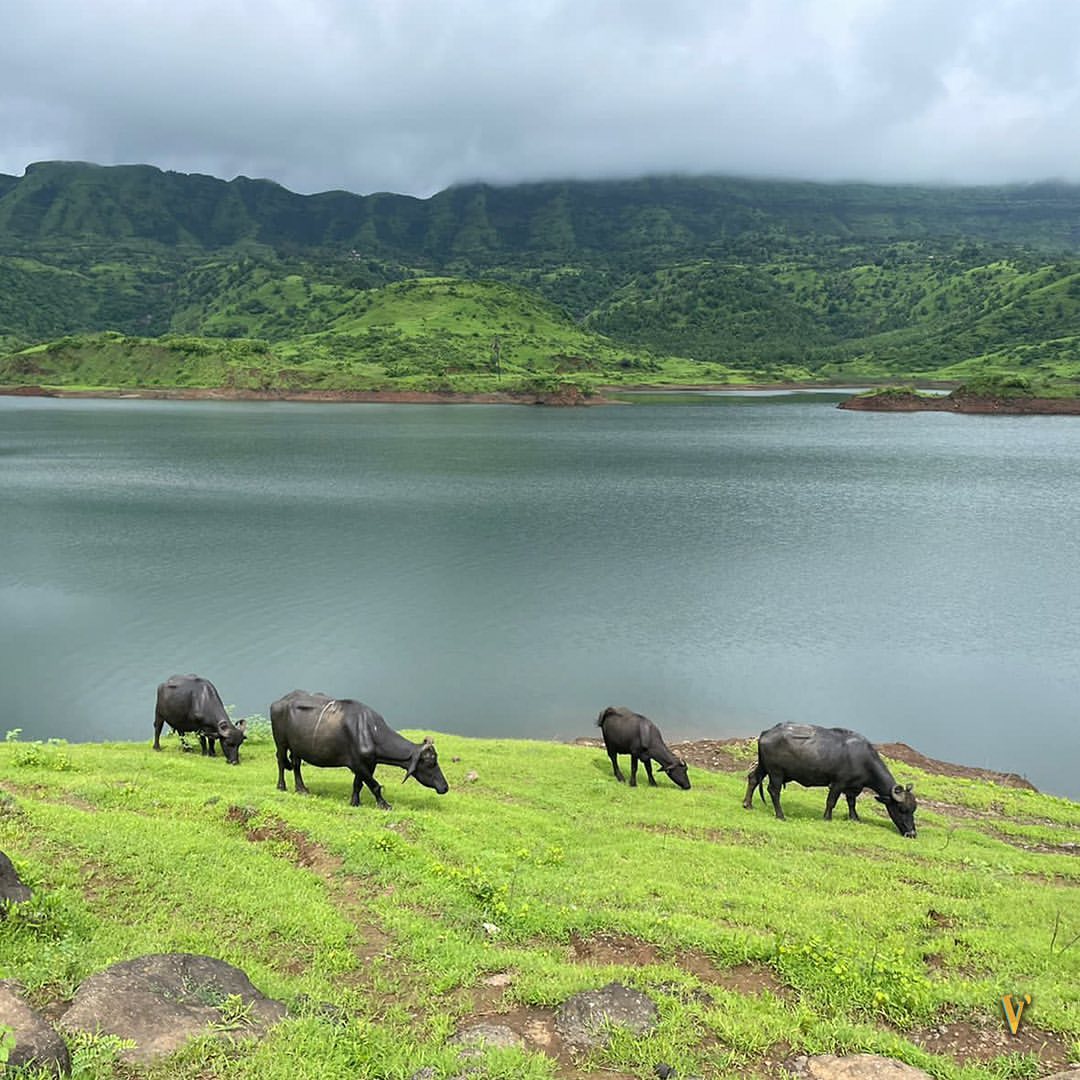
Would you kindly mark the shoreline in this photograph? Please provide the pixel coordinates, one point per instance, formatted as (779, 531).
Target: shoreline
(564, 397)
(568, 396)
(982, 406)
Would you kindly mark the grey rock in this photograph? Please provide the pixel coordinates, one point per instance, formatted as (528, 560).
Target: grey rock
(852, 1067)
(36, 1042)
(12, 890)
(485, 1035)
(426, 1073)
(582, 1019)
(163, 1000)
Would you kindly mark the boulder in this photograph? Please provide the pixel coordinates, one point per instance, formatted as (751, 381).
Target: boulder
(12, 890)
(852, 1067)
(583, 1018)
(36, 1043)
(485, 1035)
(163, 1000)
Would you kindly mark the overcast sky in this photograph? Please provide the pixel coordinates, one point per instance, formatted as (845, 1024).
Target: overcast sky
(414, 95)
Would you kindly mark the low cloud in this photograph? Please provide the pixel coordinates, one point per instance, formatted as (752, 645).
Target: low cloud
(414, 95)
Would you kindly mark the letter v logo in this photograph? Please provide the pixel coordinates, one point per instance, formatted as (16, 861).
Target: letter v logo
(1014, 1012)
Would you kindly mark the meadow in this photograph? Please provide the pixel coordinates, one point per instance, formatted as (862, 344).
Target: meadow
(537, 876)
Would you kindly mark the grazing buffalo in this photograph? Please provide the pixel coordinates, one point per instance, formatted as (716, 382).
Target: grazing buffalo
(187, 703)
(841, 760)
(337, 733)
(627, 732)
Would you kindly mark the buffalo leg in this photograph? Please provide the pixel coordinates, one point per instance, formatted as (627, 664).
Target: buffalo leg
(647, 762)
(282, 765)
(851, 796)
(834, 794)
(159, 723)
(615, 765)
(633, 770)
(775, 787)
(362, 775)
(298, 781)
(753, 781)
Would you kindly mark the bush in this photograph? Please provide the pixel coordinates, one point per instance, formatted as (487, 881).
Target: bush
(995, 384)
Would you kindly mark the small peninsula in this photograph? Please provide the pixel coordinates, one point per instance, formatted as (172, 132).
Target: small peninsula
(1010, 395)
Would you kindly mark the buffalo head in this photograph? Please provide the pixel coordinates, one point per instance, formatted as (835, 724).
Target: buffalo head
(900, 803)
(231, 736)
(677, 773)
(425, 767)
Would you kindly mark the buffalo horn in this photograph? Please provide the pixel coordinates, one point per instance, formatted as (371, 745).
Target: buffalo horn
(898, 793)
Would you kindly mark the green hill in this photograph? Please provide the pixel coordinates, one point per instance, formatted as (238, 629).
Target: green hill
(764, 278)
(287, 334)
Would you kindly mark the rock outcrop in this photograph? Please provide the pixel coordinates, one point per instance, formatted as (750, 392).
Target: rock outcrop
(163, 1000)
(36, 1042)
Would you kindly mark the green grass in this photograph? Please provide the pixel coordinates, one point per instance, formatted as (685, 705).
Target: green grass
(869, 937)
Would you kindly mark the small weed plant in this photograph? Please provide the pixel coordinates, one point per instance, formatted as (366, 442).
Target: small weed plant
(51, 754)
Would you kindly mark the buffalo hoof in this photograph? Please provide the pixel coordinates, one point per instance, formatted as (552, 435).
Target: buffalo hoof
(384, 806)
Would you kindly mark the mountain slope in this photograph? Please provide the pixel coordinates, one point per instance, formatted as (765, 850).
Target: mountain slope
(767, 277)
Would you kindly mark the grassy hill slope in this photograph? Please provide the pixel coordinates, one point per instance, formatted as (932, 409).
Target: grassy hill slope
(758, 938)
(419, 334)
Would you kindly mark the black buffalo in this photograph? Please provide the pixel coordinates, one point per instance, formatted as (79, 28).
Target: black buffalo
(190, 704)
(841, 760)
(338, 733)
(627, 732)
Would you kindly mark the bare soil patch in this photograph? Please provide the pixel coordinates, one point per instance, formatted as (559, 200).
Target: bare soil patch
(899, 751)
(750, 979)
(307, 852)
(612, 949)
(721, 755)
(1064, 848)
(965, 1042)
(615, 949)
(715, 755)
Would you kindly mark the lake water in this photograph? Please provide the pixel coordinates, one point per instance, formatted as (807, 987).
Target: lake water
(499, 570)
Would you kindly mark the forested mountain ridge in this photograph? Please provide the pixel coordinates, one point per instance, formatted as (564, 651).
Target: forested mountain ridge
(662, 216)
(683, 278)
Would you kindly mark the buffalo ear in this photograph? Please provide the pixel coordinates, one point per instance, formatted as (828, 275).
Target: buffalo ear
(881, 798)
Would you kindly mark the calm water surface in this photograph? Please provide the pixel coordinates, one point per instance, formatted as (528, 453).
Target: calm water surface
(499, 570)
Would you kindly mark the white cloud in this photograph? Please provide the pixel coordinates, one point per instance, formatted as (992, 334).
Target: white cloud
(412, 95)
